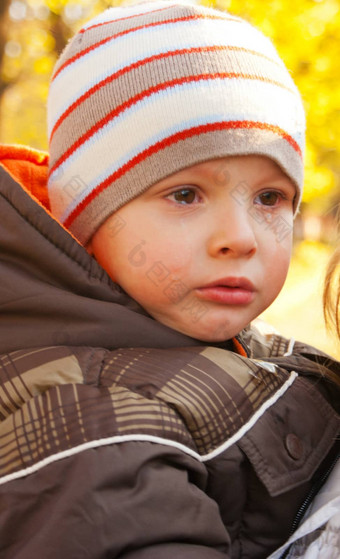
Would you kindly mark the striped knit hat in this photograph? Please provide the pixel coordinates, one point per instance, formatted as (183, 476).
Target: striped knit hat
(143, 91)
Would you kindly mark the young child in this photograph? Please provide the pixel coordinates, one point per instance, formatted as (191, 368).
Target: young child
(143, 417)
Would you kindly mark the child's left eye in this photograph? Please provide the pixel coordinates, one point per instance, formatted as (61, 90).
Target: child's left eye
(269, 198)
(183, 196)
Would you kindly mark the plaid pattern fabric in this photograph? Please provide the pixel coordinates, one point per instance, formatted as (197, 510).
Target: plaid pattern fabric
(55, 401)
(143, 91)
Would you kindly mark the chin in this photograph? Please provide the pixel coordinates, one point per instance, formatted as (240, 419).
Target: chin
(214, 339)
(214, 334)
(212, 331)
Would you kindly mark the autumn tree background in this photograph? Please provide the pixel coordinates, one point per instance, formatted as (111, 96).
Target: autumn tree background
(307, 36)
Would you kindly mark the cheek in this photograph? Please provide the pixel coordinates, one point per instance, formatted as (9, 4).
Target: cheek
(145, 267)
(168, 246)
(278, 262)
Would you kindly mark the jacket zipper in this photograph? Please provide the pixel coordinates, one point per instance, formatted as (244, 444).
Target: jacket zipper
(312, 493)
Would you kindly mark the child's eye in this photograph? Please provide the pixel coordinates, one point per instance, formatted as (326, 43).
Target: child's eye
(269, 198)
(183, 196)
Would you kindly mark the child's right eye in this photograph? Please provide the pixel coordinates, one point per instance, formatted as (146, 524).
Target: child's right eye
(184, 196)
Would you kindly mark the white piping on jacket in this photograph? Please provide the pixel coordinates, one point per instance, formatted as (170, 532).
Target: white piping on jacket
(290, 347)
(153, 439)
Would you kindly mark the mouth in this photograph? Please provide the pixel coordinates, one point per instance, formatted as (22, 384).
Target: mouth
(228, 291)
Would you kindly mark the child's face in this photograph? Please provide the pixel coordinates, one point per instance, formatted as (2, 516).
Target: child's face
(207, 249)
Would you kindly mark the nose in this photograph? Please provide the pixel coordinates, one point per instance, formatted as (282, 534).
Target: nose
(232, 232)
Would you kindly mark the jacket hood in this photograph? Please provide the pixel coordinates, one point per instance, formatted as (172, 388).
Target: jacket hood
(52, 292)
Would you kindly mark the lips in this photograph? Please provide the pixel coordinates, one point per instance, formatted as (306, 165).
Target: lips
(228, 291)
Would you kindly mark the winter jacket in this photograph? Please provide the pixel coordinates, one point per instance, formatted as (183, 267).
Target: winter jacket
(122, 438)
(318, 536)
